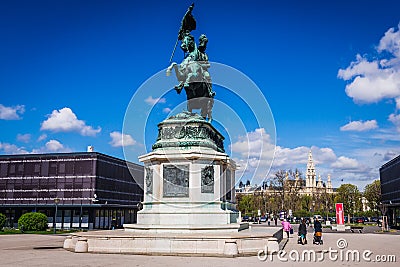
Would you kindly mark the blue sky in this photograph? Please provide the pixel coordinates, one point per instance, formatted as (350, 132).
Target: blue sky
(330, 71)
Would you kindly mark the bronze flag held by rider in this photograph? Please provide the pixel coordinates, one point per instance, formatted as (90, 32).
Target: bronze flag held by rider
(192, 73)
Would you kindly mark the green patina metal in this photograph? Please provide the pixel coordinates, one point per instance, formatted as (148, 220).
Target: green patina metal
(187, 130)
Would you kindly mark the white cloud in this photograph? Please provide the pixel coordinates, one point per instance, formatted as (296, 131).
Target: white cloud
(24, 137)
(152, 101)
(12, 149)
(121, 140)
(391, 42)
(345, 163)
(389, 155)
(348, 164)
(166, 110)
(11, 113)
(42, 137)
(284, 157)
(360, 126)
(397, 102)
(256, 152)
(64, 120)
(50, 147)
(254, 144)
(290, 157)
(395, 119)
(54, 146)
(323, 155)
(372, 81)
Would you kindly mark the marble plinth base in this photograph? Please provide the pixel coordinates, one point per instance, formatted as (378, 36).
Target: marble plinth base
(245, 243)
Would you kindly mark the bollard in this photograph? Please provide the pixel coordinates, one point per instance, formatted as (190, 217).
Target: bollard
(82, 245)
(68, 243)
(230, 248)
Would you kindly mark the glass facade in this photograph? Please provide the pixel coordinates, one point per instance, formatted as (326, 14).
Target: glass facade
(390, 181)
(390, 190)
(83, 183)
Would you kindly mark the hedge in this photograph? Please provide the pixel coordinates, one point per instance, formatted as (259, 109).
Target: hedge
(33, 221)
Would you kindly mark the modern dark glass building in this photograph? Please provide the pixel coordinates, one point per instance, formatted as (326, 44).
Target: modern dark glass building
(390, 189)
(88, 190)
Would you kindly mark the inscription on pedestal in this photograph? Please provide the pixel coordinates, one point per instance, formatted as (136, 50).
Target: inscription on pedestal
(149, 180)
(176, 181)
(207, 179)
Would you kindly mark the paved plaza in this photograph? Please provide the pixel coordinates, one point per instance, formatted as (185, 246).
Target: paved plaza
(46, 250)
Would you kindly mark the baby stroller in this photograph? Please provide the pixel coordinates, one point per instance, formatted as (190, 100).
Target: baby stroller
(318, 238)
(302, 240)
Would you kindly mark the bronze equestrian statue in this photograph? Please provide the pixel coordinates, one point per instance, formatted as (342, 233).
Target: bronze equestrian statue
(192, 73)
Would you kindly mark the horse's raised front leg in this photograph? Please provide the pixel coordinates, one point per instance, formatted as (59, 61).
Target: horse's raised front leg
(169, 69)
(210, 105)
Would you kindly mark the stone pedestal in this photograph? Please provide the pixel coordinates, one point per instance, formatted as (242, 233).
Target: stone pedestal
(189, 180)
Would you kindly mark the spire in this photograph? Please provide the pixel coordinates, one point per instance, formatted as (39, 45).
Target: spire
(310, 164)
(310, 173)
(297, 179)
(319, 181)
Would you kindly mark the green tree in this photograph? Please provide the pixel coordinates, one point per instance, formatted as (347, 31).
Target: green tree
(3, 219)
(350, 196)
(306, 201)
(278, 182)
(372, 193)
(33, 221)
(246, 204)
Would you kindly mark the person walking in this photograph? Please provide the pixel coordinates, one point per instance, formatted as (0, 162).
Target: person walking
(318, 232)
(302, 232)
(276, 220)
(286, 227)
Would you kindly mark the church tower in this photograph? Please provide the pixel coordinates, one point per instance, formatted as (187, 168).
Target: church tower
(329, 188)
(310, 175)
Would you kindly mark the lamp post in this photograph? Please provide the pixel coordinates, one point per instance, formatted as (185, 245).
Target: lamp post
(327, 209)
(80, 217)
(56, 201)
(313, 206)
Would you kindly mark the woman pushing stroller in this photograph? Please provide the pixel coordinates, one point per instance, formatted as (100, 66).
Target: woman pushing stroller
(317, 232)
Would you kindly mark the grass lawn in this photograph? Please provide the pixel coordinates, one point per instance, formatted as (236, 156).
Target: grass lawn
(46, 232)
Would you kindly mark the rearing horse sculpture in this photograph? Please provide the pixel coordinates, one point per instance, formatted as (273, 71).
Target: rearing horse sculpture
(192, 73)
(195, 80)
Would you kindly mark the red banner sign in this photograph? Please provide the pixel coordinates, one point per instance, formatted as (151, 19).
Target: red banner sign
(339, 213)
